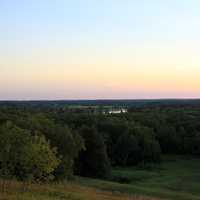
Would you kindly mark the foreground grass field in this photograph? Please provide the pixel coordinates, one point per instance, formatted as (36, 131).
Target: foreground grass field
(68, 191)
(177, 178)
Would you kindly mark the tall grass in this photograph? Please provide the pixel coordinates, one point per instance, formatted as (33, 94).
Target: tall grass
(60, 191)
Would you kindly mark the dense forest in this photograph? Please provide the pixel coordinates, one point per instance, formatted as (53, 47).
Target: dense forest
(42, 142)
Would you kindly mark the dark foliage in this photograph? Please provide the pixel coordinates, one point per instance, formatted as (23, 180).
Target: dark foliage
(88, 141)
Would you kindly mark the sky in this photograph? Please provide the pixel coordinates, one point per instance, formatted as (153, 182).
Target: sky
(99, 49)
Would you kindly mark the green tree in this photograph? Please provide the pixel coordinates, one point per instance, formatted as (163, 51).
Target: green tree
(93, 161)
(67, 142)
(126, 149)
(24, 156)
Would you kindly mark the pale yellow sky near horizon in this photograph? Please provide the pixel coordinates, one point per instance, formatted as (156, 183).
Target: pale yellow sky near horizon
(121, 71)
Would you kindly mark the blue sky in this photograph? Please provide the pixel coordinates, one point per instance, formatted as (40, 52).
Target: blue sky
(51, 49)
(34, 17)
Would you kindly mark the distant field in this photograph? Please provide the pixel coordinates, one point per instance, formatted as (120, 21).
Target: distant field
(177, 178)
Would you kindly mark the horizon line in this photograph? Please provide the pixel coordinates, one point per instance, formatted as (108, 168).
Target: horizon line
(99, 99)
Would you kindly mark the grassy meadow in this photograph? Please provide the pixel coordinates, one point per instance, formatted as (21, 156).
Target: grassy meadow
(67, 191)
(177, 178)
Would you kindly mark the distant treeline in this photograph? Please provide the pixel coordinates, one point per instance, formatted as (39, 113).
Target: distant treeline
(114, 103)
(45, 144)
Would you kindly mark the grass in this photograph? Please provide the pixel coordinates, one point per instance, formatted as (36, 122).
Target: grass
(177, 178)
(67, 191)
